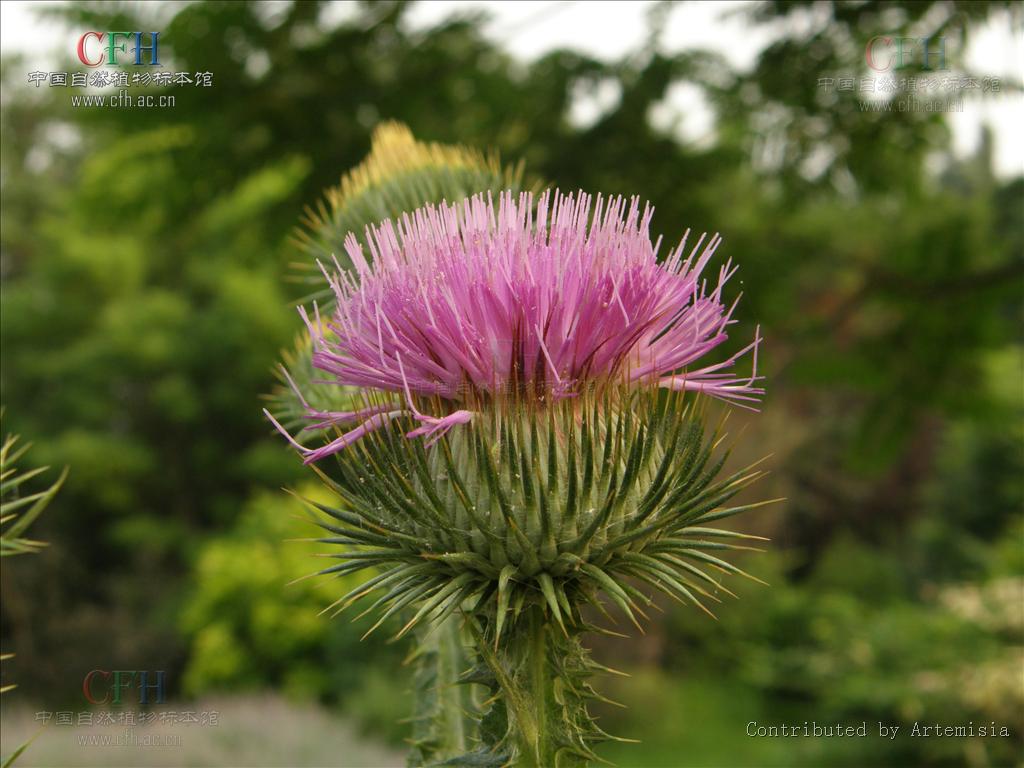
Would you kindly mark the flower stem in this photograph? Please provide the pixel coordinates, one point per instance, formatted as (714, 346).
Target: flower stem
(540, 678)
(440, 727)
(540, 689)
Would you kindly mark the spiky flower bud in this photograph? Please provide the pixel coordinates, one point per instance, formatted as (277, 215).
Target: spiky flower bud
(529, 441)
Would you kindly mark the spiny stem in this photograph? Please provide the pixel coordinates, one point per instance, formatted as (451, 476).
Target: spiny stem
(539, 673)
(451, 663)
(440, 728)
(540, 687)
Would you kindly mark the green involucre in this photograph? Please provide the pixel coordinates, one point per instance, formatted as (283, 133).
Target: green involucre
(520, 520)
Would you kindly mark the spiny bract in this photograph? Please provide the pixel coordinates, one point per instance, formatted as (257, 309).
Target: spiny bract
(545, 506)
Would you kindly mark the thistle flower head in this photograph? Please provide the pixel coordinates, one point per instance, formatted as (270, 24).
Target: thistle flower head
(464, 307)
(556, 362)
(567, 356)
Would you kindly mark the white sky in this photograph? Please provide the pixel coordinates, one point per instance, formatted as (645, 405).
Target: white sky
(608, 29)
